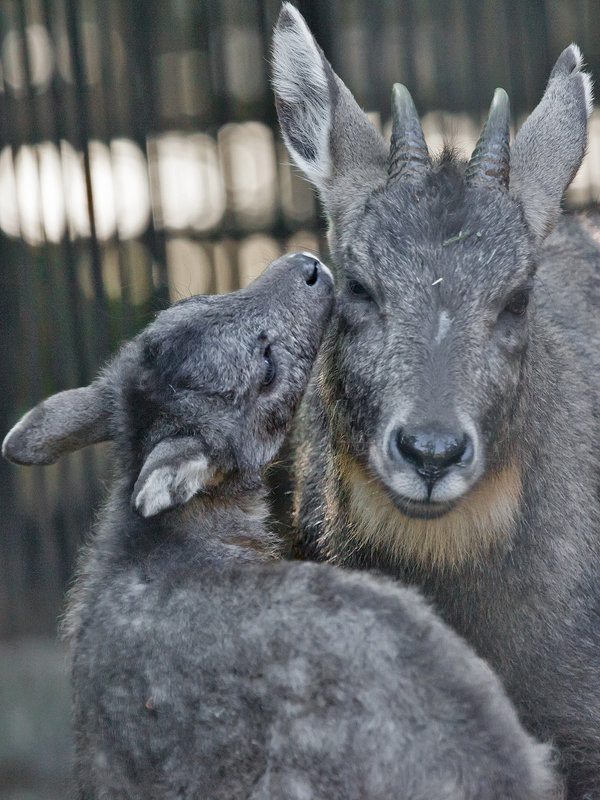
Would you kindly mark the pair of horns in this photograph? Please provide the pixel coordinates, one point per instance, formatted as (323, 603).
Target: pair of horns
(409, 157)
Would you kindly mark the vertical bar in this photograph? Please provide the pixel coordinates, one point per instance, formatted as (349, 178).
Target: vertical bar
(109, 116)
(67, 527)
(142, 45)
(60, 133)
(45, 553)
(477, 55)
(372, 19)
(73, 9)
(24, 580)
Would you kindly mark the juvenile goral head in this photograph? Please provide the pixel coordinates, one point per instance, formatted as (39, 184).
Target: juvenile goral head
(205, 392)
(436, 271)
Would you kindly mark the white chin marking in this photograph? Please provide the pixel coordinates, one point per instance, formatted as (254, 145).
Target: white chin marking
(449, 488)
(410, 486)
(483, 518)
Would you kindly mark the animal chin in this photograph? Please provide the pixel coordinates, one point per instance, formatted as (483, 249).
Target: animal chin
(420, 509)
(419, 505)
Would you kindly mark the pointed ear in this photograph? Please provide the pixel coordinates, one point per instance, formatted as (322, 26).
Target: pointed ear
(549, 148)
(173, 472)
(64, 422)
(325, 131)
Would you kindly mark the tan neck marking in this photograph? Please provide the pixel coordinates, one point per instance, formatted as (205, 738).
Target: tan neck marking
(484, 517)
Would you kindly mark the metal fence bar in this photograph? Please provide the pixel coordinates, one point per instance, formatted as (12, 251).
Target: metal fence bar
(83, 135)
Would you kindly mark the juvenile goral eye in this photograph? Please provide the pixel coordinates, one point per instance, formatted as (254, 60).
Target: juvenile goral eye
(358, 290)
(517, 304)
(269, 373)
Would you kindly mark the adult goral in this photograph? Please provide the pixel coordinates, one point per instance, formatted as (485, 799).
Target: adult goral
(450, 436)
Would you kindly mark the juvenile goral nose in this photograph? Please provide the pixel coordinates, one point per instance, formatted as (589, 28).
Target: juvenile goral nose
(312, 270)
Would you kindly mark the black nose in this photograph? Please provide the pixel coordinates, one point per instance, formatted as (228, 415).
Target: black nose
(310, 267)
(432, 452)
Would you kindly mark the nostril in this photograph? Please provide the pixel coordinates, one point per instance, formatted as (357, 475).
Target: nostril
(309, 265)
(409, 448)
(311, 273)
(431, 451)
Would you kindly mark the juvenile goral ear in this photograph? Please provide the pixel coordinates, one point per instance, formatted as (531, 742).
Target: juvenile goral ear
(174, 471)
(325, 131)
(64, 422)
(549, 148)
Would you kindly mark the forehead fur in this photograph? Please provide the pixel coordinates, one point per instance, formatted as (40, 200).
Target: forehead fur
(204, 342)
(439, 228)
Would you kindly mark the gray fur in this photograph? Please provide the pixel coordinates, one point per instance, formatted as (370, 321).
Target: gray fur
(78, 418)
(326, 132)
(431, 336)
(205, 668)
(537, 180)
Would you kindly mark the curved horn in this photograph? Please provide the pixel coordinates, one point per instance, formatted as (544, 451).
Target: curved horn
(409, 157)
(490, 163)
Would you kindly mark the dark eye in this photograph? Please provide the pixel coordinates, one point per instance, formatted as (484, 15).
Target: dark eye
(358, 290)
(269, 366)
(517, 304)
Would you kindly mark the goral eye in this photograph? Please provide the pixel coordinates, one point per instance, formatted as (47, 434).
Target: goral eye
(269, 366)
(358, 290)
(517, 304)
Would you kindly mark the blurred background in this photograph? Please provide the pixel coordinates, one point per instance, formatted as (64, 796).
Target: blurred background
(140, 162)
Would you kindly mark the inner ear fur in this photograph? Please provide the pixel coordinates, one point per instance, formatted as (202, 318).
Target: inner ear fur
(549, 148)
(325, 131)
(174, 471)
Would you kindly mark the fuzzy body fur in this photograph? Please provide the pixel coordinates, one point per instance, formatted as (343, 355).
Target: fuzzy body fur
(207, 671)
(203, 666)
(523, 589)
(464, 304)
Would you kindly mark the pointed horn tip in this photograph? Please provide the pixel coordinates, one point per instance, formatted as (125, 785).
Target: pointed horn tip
(399, 88)
(500, 101)
(409, 157)
(489, 163)
(401, 98)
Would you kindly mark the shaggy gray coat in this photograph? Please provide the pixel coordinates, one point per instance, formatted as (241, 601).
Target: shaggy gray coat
(202, 666)
(450, 436)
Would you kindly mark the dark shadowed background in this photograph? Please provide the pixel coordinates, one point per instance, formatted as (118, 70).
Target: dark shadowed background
(140, 162)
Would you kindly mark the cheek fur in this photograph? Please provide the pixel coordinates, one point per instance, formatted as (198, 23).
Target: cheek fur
(497, 382)
(355, 385)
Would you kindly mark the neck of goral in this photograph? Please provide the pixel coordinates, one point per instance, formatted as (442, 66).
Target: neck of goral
(228, 523)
